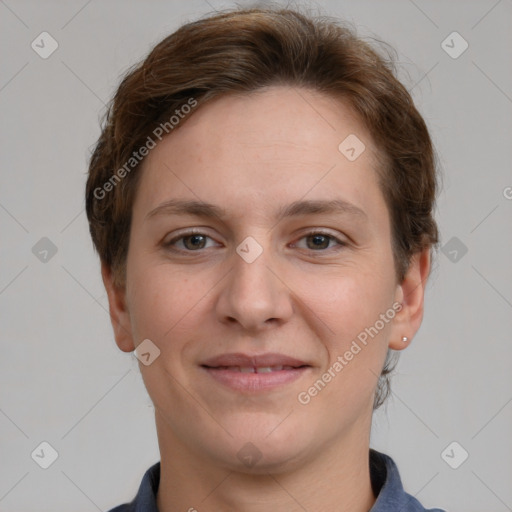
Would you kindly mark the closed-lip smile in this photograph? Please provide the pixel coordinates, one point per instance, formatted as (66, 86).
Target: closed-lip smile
(254, 373)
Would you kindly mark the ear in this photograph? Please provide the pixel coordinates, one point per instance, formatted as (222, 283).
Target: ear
(410, 293)
(119, 314)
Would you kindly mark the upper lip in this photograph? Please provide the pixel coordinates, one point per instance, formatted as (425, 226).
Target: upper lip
(257, 361)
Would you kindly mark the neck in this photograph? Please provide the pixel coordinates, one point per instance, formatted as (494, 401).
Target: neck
(337, 479)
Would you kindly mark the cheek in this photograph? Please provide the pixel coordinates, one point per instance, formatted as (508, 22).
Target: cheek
(160, 299)
(346, 300)
(350, 304)
(355, 350)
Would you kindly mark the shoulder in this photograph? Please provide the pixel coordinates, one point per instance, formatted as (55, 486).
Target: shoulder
(145, 500)
(388, 488)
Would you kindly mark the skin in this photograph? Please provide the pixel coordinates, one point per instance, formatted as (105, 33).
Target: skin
(251, 155)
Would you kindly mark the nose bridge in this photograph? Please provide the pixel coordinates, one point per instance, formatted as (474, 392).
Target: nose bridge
(253, 276)
(252, 295)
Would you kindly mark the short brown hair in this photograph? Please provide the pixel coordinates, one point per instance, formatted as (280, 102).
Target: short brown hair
(241, 51)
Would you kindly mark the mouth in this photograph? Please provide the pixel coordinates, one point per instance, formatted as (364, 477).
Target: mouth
(256, 373)
(255, 369)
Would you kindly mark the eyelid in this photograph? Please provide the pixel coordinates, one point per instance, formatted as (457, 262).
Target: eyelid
(189, 231)
(168, 244)
(324, 232)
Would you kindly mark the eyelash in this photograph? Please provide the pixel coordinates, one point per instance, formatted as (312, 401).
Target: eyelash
(169, 245)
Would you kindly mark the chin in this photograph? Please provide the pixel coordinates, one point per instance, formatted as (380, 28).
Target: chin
(255, 459)
(261, 449)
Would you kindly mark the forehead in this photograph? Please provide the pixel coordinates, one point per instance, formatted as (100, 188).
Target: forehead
(256, 152)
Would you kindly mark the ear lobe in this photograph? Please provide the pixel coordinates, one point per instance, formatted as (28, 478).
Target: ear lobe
(411, 293)
(119, 314)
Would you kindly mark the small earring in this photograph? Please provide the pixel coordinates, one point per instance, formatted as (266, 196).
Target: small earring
(405, 339)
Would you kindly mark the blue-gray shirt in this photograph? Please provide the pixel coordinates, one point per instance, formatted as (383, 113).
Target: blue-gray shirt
(384, 476)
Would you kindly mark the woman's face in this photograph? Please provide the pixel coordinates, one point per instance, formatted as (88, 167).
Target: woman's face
(295, 262)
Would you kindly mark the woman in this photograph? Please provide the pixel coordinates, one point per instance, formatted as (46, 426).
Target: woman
(261, 199)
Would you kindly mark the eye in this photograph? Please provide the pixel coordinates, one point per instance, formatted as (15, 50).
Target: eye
(319, 241)
(189, 242)
(194, 241)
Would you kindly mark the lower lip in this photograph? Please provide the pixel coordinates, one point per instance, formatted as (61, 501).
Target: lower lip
(255, 381)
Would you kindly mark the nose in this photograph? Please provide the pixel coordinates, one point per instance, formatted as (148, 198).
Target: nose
(253, 295)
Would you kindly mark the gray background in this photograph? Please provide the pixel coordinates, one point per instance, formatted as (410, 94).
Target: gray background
(62, 378)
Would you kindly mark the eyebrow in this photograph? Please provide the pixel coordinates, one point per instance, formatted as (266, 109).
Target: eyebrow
(295, 209)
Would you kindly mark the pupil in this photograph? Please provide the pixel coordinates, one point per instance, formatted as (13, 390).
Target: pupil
(320, 241)
(193, 239)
